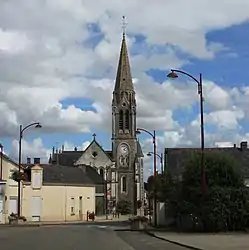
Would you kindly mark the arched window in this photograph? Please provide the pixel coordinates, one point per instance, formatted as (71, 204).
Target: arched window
(121, 119)
(101, 172)
(124, 184)
(127, 119)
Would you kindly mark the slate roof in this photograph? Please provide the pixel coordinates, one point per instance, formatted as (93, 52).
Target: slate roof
(123, 76)
(68, 158)
(56, 174)
(139, 150)
(176, 158)
(7, 158)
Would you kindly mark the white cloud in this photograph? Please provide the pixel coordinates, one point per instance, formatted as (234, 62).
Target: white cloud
(36, 148)
(44, 61)
(225, 119)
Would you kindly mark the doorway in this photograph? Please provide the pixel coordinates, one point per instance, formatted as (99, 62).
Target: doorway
(36, 208)
(1, 209)
(13, 205)
(80, 208)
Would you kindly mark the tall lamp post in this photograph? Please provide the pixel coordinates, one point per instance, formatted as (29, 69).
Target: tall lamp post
(21, 130)
(160, 158)
(1, 162)
(153, 135)
(173, 75)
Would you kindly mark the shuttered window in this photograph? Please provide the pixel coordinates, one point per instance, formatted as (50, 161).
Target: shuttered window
(36, 180)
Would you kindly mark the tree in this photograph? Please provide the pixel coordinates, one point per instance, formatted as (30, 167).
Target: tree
(225, 190)
(225, 204)
(124, 207)
(155, 183)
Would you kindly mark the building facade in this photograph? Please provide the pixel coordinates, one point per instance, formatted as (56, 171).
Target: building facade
(122, 166)
(57, 193)
(176, 158)
(8, 188)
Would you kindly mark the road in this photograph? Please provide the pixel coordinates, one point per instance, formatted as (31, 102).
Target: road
(94, 236)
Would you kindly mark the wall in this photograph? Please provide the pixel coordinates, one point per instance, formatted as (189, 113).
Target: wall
(56, 202)
(100, 161)
(11, 186)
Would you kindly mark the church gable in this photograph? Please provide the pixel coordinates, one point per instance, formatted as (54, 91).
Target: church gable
(94, 156)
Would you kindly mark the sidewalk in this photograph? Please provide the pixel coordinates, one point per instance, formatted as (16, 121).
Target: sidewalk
(111, 218)
(51, 223)
(222, 241)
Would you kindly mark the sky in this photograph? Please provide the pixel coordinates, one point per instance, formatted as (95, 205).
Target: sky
(58, 61)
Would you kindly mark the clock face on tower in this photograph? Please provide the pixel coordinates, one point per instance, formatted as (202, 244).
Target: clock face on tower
(123, 149)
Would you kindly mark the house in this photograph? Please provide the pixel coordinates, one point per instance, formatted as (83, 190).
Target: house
(59, 193)
(8, 188)
(175, 158)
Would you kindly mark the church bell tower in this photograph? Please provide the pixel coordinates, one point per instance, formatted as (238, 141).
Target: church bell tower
(124, 139)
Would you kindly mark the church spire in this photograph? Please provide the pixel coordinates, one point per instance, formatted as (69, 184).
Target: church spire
(123, 77)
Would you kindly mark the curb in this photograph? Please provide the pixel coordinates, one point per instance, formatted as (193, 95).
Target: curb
(40, 225)
(171, 241)
(56, 224)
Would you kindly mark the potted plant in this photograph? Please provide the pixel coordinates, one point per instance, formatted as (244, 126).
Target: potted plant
(14, 219)
(18, 176)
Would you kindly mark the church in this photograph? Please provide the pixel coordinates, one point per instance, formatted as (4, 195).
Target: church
(122, 166)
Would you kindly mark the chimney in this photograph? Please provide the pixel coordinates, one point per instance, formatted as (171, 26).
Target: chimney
(28, 160)
(243, 145)
(75, 149)
(53, 152)
(37, 160)
(62, 148)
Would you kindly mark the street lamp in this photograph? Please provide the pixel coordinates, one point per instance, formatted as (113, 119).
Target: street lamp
(1, 163)
(153, 135)
(160, 157)
(21, 130)
(173, 75)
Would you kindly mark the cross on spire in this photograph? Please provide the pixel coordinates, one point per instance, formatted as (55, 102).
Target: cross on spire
(94, 135)
(124, 24)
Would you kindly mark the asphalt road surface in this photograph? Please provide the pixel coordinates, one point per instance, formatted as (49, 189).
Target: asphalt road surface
(95, 236)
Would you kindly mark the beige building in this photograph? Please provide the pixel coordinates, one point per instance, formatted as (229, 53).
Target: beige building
(50, 193)
(8, 188)
(57, 193)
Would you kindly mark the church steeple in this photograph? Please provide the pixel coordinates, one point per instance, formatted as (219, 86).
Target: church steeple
(123, 78)
(124, 102)
(124, 141)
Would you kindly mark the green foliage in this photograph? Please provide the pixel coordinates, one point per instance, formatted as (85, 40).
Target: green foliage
(221, 170)
(155, 185)
(124, 207)
(16, 176)
(225, 205)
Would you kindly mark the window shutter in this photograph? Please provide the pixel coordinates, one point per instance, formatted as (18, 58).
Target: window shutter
(36, 180)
